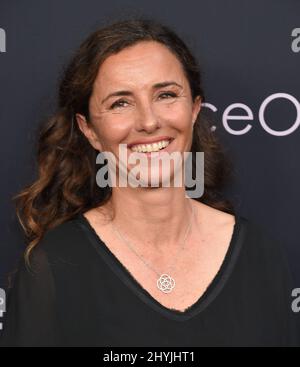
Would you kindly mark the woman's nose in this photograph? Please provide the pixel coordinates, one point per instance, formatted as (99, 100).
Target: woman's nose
(146, 119)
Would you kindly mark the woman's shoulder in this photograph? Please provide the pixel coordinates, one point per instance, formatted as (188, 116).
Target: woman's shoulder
(262, 250)
(254, 238)
(260, 236)
(63, 241)
(250, 229)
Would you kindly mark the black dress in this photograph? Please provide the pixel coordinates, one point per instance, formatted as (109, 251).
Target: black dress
(81, 295)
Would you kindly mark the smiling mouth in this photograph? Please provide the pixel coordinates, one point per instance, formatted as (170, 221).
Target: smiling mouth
(153, 147)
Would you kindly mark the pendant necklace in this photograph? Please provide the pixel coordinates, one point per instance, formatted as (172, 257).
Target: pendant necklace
(165, 282)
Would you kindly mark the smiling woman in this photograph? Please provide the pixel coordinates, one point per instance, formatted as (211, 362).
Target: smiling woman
(141, 95)
(139, 266)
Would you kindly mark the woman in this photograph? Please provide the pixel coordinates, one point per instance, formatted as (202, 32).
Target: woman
(139, 266)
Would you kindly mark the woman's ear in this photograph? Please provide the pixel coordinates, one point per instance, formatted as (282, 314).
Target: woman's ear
(196, 108)
(88, 131)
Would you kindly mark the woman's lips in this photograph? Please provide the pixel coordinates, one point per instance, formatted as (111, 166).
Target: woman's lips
(157, 153)
(151, 141)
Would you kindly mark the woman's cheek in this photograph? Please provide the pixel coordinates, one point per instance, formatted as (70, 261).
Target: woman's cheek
(179, 115)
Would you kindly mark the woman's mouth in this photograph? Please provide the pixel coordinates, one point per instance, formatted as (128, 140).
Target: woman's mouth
(151, 148)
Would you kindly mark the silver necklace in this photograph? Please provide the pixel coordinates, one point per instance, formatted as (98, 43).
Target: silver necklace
(165, 282)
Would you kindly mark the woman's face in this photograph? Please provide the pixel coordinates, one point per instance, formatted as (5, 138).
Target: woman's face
(141, 95)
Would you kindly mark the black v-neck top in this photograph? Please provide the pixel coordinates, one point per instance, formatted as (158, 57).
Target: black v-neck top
(80, 294)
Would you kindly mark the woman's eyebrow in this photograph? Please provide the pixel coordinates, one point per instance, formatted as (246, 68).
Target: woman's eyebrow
(129, 93)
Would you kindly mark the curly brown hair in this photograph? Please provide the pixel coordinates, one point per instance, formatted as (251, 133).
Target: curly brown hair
(66, 185)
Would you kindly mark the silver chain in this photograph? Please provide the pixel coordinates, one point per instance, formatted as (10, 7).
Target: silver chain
(147, 263)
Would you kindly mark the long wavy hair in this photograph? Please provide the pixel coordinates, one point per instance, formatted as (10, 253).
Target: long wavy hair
(65, 183)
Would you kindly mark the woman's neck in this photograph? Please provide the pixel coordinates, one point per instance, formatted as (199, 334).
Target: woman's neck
(157, 218)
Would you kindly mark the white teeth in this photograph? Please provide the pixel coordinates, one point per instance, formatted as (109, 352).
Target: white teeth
(147, 148)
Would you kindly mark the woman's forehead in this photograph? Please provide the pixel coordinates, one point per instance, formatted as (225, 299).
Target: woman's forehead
(143, 63)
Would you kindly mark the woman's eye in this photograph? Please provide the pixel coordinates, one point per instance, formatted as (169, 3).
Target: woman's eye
(121, 102)
(118, 104)
(169, 94)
